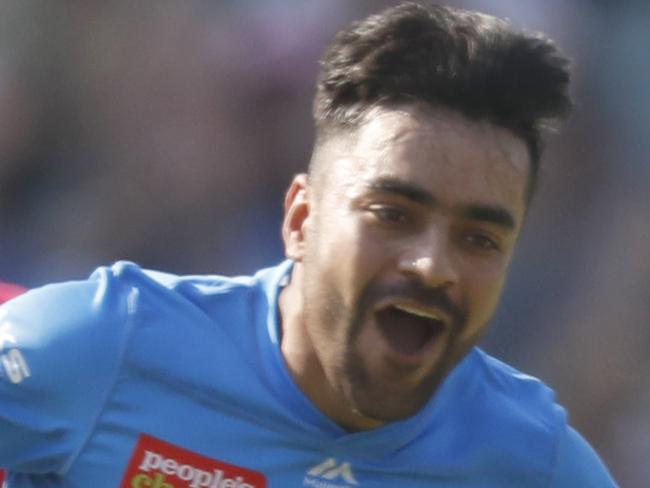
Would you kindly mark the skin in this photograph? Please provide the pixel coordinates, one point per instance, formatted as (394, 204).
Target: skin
(421, 207)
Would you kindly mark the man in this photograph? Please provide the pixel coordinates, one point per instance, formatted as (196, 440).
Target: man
(354, 362)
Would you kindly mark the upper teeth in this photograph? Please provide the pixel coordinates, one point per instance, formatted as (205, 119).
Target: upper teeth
(417, 311)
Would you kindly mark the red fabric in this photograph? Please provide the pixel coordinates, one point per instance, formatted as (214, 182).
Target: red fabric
(2, 477)
(8, 291)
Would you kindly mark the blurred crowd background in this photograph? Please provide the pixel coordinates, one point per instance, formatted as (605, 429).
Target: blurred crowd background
(165, 132)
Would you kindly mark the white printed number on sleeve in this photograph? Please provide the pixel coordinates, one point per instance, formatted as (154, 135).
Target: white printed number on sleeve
(12, 360)
(15, 366)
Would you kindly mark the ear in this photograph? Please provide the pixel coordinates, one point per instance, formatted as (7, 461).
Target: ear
(296, 213)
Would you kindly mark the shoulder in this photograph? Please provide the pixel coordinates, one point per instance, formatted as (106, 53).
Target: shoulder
(112, 294)
(64, 347)
(195, 290)
(534, 425)
(60, 346)
(577, 464)
(508, 422)
(66, 323)
(62, 307)
(516, 395)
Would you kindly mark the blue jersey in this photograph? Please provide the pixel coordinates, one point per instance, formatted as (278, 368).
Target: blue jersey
(147, 380)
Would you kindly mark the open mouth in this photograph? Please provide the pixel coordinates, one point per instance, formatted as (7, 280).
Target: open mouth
(409, 330)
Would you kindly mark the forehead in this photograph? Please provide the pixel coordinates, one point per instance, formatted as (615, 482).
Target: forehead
(440, 150)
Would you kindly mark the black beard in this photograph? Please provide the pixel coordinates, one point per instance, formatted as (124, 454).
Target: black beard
(359, 381)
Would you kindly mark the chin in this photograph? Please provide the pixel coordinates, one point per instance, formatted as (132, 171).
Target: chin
(390, 404)
(393, 412)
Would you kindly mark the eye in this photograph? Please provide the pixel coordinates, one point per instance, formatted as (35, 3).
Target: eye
(388, 214)
(481, 242)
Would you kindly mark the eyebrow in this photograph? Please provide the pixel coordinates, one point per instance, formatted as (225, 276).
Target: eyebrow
(474, 211)
(489, 213)
(407, 190)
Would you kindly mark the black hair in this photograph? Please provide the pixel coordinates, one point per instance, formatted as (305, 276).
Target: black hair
(466, 61)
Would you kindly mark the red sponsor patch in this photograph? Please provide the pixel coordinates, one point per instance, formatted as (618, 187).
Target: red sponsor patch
(159, 464)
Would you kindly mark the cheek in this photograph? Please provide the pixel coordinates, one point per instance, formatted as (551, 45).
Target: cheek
(482, 290)
(347, 252)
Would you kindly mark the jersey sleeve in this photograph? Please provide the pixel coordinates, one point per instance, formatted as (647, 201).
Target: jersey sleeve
(60, 348)
(578, 464)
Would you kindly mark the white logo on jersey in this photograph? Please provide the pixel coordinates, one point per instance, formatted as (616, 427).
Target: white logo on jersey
(15, 366)
(328, 473)
(13, 361)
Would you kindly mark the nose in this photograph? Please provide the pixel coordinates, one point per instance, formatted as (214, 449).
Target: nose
(430, 260)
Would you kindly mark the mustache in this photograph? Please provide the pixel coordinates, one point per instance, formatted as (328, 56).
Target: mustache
(416, 292)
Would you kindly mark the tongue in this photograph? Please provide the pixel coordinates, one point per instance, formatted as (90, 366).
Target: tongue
(405, 332)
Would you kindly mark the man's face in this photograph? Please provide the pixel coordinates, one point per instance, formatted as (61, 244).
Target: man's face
(405, 240)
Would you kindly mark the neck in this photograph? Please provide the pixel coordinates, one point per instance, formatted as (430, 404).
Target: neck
(305, 364)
